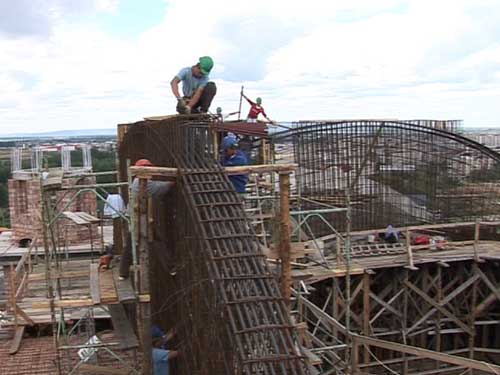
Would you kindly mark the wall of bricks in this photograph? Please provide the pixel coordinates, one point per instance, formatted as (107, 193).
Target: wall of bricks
(25, 211)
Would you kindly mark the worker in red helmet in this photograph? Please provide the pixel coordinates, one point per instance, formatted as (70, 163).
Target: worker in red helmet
(255, 109)
(143, 163)
(197, 91)
(155, 189)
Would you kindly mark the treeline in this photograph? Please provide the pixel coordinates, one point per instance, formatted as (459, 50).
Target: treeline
(101, 161)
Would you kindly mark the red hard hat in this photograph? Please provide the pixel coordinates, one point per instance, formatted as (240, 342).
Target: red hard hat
(143, 163)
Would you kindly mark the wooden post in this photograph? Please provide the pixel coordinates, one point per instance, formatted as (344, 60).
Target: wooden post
(472, 316)
(366, 312)
(439, 297)
(144, 322)
(286, 267)
(476, 241)
(13, 293)
(264, 151)
(405, 319)
(409, 251)
(335, 305)
(354, 356)
(338, 256)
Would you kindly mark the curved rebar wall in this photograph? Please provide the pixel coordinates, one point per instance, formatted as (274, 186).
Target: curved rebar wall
(209, 279)
(400, 173)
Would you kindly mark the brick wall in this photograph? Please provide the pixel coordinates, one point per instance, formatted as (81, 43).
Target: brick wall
(25, 211)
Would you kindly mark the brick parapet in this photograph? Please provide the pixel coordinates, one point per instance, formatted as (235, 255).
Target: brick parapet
(25, 211)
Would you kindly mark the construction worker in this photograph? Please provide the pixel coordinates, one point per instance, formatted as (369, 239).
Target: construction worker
(233, 156)
(197, 91)
(391, 234)
(161, 355)
(155, 189)
(255, 109)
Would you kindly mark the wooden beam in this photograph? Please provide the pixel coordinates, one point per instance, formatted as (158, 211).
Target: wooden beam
(95, 290)
(366, 311)
(444, 301)
(21, 285)
(124, 288)
(148, 172)
(16, 341)
(144, 316)
(443, 310)
(122, 327)
(87, 368)
(477, 228)
(416, 227)
(25, 257)
(487, 281)
(429, 354)
(285, 247)
(385, 304)
(13, 292)
(79, 302)
(320, 314)
(23, 315)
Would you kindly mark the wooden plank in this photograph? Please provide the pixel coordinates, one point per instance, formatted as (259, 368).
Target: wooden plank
(80, 302)
(284, 233)
(122, 327)
(95, 290)
(107, 285)
(158, 118)
(74, 217)
(145, 172)
(144, 323)
(88, 217)
(320, 314)
(23, 315)
(124, 288)
(430, 354)
(16, 341)
(311, 358)
(61, 275)
(87, 368)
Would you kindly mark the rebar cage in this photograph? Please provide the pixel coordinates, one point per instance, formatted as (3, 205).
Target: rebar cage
(209, 277)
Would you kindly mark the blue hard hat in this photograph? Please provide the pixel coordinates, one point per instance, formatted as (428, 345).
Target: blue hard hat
(229, 142)
(156, 331)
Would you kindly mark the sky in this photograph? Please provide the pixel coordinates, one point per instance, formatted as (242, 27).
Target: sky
(91, 64)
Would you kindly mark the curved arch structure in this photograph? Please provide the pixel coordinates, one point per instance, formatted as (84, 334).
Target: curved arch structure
(395, 172)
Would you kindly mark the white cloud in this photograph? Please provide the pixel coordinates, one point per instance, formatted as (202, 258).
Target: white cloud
(329, 59)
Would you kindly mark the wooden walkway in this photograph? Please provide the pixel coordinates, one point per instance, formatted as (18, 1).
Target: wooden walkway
(82, 285)
(454, 252)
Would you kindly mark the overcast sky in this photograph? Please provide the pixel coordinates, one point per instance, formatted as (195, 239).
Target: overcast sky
(76, 64)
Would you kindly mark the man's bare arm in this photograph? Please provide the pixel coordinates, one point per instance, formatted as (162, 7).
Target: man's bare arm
(174, 85)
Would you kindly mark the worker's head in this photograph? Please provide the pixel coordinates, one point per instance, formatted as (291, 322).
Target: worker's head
(143, 163)
(219, 110)
(157, 331)
(204, 66)
(259, 101)
(229, 145)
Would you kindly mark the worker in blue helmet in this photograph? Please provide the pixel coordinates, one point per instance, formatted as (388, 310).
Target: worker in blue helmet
(232, 156)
